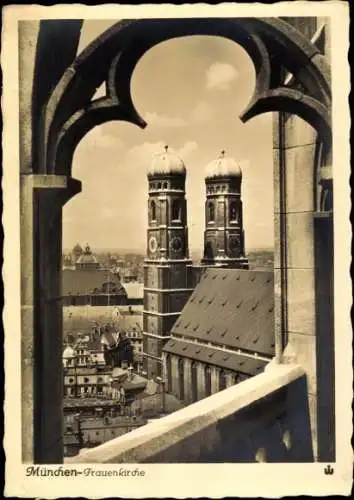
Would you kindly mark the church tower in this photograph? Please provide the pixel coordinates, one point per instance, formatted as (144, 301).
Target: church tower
(224, 244)
(167, 264)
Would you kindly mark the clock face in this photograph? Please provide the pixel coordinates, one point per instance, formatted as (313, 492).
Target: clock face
(152, 244)
(176, 243)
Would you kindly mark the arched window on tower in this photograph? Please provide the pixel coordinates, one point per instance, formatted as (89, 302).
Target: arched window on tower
(153, 210)
(207, 374)
(234, 217)
(211, 212)
(176, 210)
(194, 381)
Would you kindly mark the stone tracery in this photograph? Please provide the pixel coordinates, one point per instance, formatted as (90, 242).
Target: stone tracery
(272, 44)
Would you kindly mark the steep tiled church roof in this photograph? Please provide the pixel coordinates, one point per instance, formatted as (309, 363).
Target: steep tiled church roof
(84, 281)
(231, 307)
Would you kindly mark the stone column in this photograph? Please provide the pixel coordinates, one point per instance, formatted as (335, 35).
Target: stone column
(294, 261)
(175, 378)
(28, 32)
(27, 316)
(42, 198)
(325, 362)
(214, 380)
(201, 380)
(187, 381)
(229, 380)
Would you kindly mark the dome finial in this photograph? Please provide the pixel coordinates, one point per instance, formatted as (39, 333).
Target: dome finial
(166, 163)
(223, 166)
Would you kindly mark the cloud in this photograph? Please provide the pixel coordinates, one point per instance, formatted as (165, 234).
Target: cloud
(99, 138)
(140, 156)
(202, 112)
(220, 75)
(164, 121)
(187, 148)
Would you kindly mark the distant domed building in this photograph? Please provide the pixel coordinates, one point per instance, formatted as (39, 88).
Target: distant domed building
(87, 260)
(89, 284)
(68, 356)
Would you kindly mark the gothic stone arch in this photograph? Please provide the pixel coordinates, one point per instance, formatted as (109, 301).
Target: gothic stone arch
(62, 112)
(272, 44)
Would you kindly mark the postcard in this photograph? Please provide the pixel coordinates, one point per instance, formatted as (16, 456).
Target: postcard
(177, 250)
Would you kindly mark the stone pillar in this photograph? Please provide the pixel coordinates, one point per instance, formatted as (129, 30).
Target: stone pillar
(214, 380)
(294, 150)
(325, 362)
(28, 32)
(229, 380)
(27, 316)
(201, 380)
(175, 378)
(42, 198)
(187, 381)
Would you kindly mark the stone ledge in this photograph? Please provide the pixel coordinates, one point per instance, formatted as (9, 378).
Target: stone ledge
(52, 181)
(143, 444)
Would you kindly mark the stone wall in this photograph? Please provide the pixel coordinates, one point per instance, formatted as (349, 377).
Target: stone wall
(174, 376)
(262, 419)
(303, 269)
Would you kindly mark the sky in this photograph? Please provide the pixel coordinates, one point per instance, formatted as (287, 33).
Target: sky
(190, 91)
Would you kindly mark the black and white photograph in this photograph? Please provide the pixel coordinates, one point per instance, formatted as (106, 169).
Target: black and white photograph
(177, 250)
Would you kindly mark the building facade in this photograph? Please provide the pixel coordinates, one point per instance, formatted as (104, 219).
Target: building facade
(195, 356)
(224, 334)
(166, 280)
(86, 381)
(224, 242)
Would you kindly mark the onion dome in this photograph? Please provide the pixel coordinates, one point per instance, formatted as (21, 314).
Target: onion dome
(223, 166)
(166, 163)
